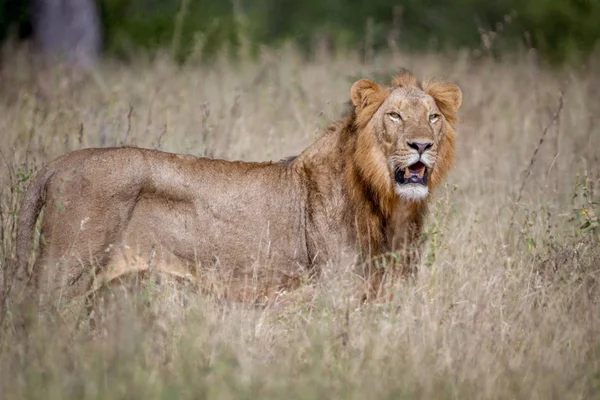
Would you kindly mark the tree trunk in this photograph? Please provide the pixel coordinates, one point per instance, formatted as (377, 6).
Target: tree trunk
(68, 30)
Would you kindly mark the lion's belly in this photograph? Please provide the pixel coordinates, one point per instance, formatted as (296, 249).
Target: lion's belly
(239, 249)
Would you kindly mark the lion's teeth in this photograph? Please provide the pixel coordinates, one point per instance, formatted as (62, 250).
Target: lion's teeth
(421, 172)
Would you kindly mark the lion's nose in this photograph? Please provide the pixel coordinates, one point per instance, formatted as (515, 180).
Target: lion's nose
(421, 147)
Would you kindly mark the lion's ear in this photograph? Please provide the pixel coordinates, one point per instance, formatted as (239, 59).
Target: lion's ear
(447, 96)
(364, 92)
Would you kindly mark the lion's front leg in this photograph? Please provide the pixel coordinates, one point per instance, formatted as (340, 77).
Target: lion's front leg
(385, 272)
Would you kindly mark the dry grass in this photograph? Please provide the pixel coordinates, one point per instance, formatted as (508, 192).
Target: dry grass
(493, 313)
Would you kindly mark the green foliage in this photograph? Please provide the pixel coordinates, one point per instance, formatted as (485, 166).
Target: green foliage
(585, 208)
(562, 30)
(180, 25)
(24, 174)
(15, 18)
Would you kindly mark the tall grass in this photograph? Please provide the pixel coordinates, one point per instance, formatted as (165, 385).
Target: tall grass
(499, 309)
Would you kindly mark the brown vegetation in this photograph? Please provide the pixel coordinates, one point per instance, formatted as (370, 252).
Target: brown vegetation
(492, 313)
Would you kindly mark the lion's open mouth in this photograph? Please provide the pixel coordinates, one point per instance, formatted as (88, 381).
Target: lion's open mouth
(416, 173)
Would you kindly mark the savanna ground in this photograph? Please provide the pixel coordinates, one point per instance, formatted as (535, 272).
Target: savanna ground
(507, 300)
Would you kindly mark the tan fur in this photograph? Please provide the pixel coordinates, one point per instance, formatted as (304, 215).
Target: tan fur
(257, 227)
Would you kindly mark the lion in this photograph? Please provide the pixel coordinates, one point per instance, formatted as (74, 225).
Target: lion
(359, 192)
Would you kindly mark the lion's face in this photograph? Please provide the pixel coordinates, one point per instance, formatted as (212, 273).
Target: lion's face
(408, 130)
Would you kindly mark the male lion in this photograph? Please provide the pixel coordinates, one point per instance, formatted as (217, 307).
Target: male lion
(361, 189)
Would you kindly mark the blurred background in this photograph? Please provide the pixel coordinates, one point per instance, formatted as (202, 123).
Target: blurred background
(506, 304)
(83, 30)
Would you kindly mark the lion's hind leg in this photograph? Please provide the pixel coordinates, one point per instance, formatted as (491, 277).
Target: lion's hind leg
(127, 280)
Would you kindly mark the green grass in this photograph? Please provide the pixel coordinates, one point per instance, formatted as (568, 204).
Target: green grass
(493, 312)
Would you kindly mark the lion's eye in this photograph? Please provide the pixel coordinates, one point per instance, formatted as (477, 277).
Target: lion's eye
(395, 117)
(434, 117)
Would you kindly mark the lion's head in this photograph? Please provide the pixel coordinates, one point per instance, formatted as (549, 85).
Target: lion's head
(405, 143)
